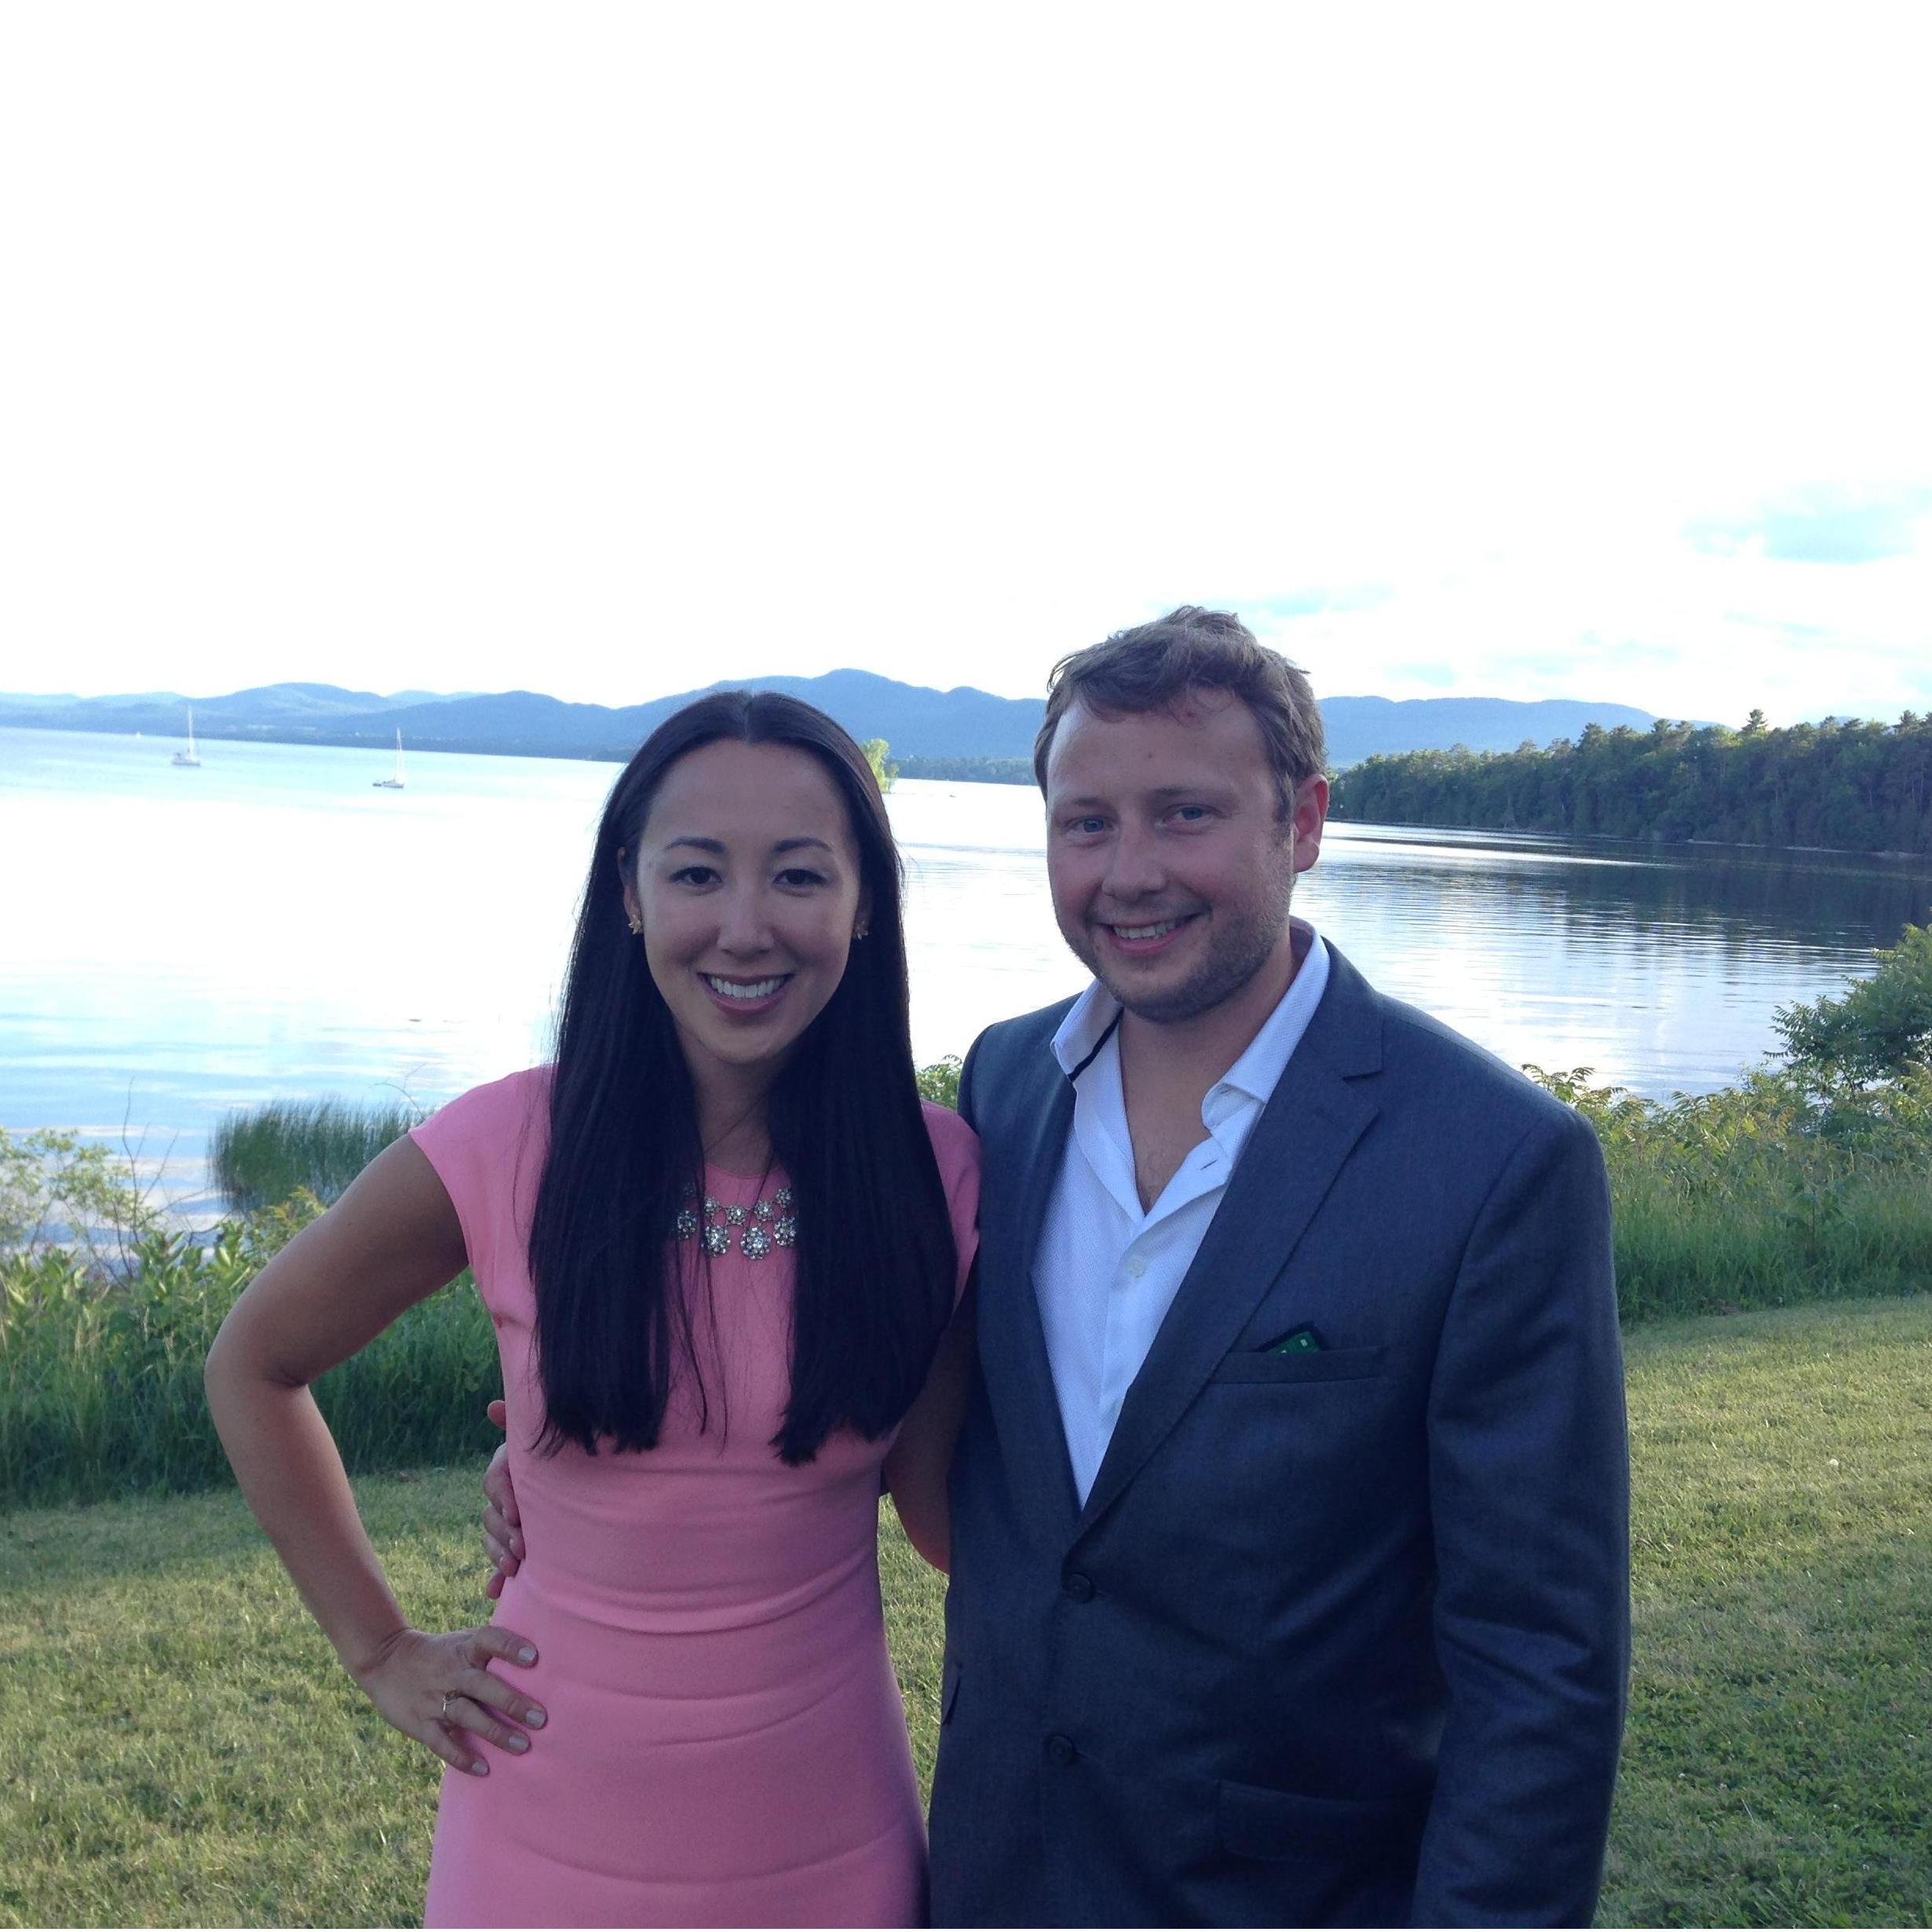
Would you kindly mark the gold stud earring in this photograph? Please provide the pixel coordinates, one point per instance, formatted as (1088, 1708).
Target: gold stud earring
(636, 923)
(860, 930)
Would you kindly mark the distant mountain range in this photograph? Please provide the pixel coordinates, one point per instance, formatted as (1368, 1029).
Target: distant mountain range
(917, 722)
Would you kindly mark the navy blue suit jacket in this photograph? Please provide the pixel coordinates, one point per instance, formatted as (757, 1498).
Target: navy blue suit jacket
(1339, 1636)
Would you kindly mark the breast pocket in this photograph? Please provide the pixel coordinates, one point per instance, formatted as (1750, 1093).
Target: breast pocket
(1301, 1365)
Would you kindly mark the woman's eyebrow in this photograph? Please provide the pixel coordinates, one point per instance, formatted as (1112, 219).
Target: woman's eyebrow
(805, 839)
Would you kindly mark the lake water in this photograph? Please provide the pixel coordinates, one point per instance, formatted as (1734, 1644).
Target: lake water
(174, 942)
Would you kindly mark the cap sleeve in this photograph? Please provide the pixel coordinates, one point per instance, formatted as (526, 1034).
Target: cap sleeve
(486, 1146)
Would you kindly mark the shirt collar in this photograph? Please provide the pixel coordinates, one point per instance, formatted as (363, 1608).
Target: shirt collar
(1084, 1030)
(1259, 1071)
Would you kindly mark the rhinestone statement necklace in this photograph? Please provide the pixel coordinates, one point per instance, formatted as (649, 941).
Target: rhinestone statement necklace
(760, 1228)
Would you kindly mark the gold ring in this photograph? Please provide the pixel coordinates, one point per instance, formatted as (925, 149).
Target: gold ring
(444, 1713)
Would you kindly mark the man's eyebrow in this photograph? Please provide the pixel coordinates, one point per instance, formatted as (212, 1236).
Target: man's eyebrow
(1210, 786)
(1089, 802)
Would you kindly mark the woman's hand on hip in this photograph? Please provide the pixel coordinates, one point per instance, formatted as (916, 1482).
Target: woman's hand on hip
(436, 1689)
(502, 1528)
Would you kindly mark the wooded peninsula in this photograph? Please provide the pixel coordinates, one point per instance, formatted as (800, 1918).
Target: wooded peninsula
(1852, 785)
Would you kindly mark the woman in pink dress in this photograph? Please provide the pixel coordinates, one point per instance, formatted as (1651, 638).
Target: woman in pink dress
(721, 1242)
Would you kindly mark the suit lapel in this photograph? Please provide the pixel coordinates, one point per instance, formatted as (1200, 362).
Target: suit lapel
(1013, 1343)
(1308, 1128)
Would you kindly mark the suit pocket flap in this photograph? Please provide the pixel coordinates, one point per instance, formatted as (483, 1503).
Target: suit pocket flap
(1255, 1823)
(1303, 1365)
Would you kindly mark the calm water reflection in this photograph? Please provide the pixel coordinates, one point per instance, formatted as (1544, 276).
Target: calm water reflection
(1661, 967)
(174, 943)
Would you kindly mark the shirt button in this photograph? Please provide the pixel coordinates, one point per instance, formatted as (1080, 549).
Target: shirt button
(1136, 1267)
(1079, 1588)
(1059, 1750)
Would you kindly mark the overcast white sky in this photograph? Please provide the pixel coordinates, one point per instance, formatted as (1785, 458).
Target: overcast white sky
(609, 350)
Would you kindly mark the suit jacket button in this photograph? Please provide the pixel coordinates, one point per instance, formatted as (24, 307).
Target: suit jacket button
(1079, 1587)
(1061, 1750)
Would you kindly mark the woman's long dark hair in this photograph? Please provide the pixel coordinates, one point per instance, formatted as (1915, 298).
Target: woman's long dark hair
(875, 1254)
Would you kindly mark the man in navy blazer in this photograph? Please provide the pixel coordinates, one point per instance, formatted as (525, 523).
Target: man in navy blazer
(1289, 1545)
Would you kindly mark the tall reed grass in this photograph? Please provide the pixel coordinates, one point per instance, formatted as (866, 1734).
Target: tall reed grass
(101, 1388)
(262, 1156)
(1775, 1192)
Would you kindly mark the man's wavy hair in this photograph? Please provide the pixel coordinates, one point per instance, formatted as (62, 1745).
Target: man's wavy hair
(1155, 667)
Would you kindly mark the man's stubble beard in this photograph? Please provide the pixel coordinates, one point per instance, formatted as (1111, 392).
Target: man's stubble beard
(1236, 951)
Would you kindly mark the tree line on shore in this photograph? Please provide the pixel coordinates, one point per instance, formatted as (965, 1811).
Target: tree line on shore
(1850, 784)
(970, 771)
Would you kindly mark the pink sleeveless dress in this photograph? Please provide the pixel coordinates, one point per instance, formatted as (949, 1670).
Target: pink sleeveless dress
(726, 1743)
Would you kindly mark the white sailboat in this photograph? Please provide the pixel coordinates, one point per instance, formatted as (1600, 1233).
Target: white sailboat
(395, 783)
(188, 756)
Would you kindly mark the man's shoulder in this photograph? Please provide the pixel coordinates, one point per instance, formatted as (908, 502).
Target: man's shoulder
(1006, 1060)
(1026, 1032)
(1427, 1063)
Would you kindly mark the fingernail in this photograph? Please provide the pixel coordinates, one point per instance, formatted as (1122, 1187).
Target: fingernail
(526, 1654)
(533, 1718)
(479, 1769)
(518, 1743)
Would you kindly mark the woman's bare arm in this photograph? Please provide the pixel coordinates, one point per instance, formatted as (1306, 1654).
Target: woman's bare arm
(391, 1240)
(920, 1463)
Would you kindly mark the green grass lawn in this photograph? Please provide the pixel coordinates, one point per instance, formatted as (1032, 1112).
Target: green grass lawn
(177, 1748)
(1778, 1766)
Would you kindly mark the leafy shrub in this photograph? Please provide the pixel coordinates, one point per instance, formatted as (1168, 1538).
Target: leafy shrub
(55, 1187)
(1877, 1029)
(940, 1082)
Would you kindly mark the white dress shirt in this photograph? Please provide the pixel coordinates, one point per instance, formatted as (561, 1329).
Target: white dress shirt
(1106, 1271)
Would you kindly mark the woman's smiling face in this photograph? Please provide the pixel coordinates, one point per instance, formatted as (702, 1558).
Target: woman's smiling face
(746, 879)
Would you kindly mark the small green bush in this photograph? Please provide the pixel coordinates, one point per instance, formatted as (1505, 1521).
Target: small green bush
(940, 1082)
(1875, 1030)
(57, 1188)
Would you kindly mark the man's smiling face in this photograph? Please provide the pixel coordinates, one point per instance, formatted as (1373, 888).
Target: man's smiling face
(1170, 858)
